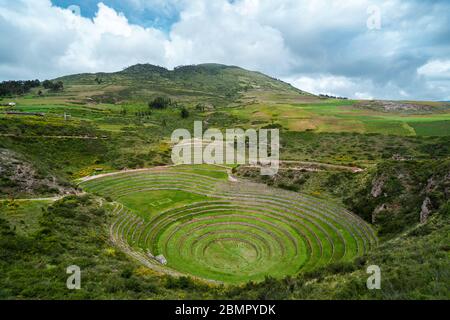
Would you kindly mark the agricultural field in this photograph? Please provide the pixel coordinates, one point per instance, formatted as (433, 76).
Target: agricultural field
(345, 116)
(233, 232)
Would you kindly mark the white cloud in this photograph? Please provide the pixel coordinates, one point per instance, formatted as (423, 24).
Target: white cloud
(363, 96)
(323, 84)
(333, 85)
(322, 46)
(217, 31)
(46, 41)
(67, 43)
(436, 69)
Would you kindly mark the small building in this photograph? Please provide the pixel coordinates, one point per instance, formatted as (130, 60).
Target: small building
(161, 259)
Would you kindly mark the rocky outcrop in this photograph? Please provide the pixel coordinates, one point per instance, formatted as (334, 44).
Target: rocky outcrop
(425, 210)
(378, 210)
(377, 186)
(397, 106)
(19, 177)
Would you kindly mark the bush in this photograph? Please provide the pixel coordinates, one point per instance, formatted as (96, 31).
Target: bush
(184, 113)
(185, 283)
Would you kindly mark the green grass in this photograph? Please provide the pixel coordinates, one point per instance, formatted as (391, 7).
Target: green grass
(229, 253)
(33, 263)
(342, 116)
(206, 170)
(72, 231)
(23, 216)
(431, 128)
(150, 203)
(388, 127)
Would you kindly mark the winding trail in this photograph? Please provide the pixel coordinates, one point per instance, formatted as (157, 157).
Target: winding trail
(53, 199)
(13, 135)
(311, 166)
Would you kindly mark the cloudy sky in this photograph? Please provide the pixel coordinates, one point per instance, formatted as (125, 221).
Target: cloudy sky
(389, 49)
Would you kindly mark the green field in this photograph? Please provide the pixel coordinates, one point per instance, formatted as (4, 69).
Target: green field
(316, 116)
(249, 99)
(230, 232)
(343, 116)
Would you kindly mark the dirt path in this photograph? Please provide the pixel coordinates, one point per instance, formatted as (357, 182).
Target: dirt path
(11, 135)
(34, 199)
(52, 199)
(325, 165)
(98, 176)
(311, 166)
(231, 178)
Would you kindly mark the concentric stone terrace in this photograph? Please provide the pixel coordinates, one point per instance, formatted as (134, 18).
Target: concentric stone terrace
(212, 228)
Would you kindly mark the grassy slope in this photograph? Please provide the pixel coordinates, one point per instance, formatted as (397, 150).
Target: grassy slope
(208, 83)
(414, 265)
(73, 231)
(112, 101)
(342, 116)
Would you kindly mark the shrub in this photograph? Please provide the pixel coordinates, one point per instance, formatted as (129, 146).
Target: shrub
(160, 103)
(184, 113)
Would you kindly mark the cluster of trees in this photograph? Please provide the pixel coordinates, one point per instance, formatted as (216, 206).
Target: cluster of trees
(160, 103)
(53, 86)
(15, 88)
(326, 96)
(12, 88)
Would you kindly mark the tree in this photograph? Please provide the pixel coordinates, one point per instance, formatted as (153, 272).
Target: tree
(47, 84)
(160, 103)
(58, 86)
(184, 113)
(53, 86)
(200, 107)
(12, 88)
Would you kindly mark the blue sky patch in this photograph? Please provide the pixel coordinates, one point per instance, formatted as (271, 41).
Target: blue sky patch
(157, 16)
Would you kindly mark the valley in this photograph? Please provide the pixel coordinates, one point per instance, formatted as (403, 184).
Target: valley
(86, 178)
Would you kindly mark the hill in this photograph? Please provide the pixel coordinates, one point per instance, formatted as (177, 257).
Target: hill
(211, 83)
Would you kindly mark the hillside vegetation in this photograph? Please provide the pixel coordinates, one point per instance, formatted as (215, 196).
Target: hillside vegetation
(212, 84)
